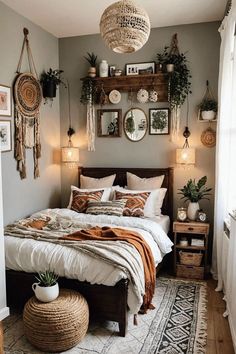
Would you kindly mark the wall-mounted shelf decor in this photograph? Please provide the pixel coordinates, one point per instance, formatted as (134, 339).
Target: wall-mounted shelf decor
(158, 82)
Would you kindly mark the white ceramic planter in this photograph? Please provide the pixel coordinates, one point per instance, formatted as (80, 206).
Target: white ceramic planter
(208, 115)
(46, 294)
(192, 210)
(170, 68)
(103, 69)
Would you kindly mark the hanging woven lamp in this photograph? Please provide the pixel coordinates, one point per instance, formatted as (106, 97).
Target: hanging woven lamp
(125, 26)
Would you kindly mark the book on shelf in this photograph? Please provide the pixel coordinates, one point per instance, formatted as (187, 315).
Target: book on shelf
(197, 242)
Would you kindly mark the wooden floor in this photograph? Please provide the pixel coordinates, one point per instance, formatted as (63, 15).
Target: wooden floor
(219, 339)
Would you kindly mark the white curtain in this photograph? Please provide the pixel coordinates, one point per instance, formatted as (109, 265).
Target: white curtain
(226, 138)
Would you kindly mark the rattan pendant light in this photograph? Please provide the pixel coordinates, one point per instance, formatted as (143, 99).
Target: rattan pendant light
(125, 26)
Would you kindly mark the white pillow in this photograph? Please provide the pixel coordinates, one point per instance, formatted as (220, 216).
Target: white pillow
(89, 182)
(136, 183)
(154, 202)
(105, 196)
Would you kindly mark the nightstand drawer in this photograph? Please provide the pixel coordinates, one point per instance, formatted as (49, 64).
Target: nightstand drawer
(191, 272)
(191, 228)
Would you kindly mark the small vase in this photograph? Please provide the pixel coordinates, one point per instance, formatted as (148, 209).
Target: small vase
(208, 115)
(46, 293)
(103, 69)
(192, 210)
(92, 71)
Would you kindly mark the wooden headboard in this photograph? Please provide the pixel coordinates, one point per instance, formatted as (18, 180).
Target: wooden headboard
(98, 172)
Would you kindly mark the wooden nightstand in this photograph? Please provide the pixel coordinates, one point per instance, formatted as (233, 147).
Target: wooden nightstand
(190, 230)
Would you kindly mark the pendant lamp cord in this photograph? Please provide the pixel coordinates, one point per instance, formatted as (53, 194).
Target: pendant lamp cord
(70, 131)
(186, 132)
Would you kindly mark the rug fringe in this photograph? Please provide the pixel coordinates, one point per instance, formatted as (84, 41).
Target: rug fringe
(201, 330)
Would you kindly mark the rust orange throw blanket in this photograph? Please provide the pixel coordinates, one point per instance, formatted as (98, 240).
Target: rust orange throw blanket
(117, 234)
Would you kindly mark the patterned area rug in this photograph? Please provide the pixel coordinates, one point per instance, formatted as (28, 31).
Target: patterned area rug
(178, 325)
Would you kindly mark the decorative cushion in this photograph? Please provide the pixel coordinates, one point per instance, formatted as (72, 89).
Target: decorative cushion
(136, 183)
(114, 207)
(154, 202)
(107, 193)
(80, 199)
(89, 182)
(135, 203)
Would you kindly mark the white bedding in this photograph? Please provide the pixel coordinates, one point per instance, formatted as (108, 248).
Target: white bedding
(32, 256)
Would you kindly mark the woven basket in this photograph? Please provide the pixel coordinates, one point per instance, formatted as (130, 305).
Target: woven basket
(188, 258)
(58, 325)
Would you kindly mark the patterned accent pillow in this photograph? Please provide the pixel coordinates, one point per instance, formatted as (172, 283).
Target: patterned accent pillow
(80, 199)
(134, 203)
(114, 207)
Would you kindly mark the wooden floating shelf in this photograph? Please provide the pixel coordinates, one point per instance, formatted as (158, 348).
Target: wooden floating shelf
(198, 248)
(126, 83)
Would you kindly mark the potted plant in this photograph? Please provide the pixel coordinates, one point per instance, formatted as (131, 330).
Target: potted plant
(194, 191)
(91, 59)
(47, 289)
(49, 81)
(208, 109)
(161, 60)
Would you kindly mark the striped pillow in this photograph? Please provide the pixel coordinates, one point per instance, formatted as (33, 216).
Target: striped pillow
(114, 207)
(134, 203)
(80, 200)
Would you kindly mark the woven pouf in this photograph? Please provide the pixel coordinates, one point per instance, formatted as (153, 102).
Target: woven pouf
(58, 325)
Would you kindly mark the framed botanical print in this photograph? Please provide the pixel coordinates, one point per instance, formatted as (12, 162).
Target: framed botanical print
(5, 135)
(159, 121)
(5, 101)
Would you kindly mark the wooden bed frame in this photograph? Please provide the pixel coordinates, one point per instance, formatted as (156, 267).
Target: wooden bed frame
(105, 302)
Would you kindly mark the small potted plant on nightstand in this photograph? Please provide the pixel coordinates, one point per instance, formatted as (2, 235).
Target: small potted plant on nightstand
(194, 191)
(91, 59)
(47, 289)
(208, 109)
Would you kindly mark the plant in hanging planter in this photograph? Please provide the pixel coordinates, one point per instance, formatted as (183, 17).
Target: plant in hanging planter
(47, 288)
(208, 109)
(91, 59)
(49, 81)
(88, 91)
(194, 192)
(129, 124)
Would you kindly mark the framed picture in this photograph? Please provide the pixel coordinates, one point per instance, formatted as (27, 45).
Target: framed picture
(159, 121)
(109, 123)
(140, 68)
(5, 135)
(5, 101)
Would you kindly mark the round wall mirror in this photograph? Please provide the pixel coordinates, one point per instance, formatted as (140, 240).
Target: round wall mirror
(135, 124)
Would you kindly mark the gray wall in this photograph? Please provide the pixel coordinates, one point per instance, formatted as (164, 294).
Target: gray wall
(22, 197)
(202, 43)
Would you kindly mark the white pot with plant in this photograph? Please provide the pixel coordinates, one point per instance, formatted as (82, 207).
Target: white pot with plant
(91, 59)
(194, 192)
(208, 109)
(47, 289)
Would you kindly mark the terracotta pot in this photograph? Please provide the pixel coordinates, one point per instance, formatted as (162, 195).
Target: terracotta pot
(92, 71)
(46, 293)
(170, 68)
(192, 210)
(208, 115)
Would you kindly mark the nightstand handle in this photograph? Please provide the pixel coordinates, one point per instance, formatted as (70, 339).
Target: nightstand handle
(190, 228)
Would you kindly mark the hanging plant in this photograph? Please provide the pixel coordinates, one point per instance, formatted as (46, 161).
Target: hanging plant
(88, 91)
(180, 85)
(129, 124)
(50, 80)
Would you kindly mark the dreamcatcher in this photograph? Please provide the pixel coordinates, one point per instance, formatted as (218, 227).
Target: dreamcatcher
(28, 98)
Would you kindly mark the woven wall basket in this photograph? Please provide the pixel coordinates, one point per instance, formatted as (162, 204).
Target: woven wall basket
(27, 94)
(125, 27)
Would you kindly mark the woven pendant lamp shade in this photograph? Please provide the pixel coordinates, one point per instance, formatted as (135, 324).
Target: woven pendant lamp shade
(125, 26)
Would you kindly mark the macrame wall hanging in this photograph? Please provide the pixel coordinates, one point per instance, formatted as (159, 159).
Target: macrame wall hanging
(27, 98)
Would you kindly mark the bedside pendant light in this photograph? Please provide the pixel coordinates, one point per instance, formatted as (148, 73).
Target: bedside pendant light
(186, 155)
(125, 26)
(69, 153)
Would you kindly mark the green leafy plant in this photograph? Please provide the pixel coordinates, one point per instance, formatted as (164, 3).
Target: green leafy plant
(159, 120)
(180, 85)
(208, 105)
(195, 191)
(129, 124)
(88, 91)
(47, 278)
(91, 59)
(52, 76)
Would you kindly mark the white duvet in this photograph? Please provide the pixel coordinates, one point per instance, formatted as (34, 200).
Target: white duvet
(33, 256)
